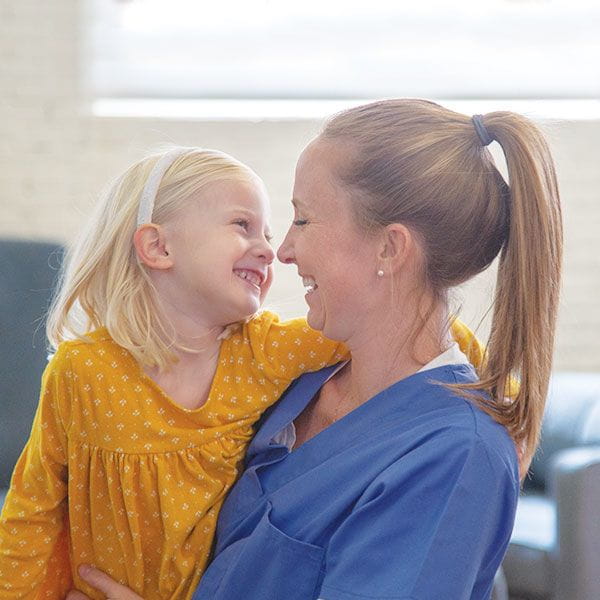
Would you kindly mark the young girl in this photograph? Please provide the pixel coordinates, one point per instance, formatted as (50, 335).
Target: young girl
(145, 414)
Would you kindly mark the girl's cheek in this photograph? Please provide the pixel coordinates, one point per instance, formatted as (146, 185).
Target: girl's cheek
(267, 284)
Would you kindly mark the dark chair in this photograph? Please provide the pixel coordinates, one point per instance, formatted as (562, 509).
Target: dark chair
(28, 274)
(554, 552)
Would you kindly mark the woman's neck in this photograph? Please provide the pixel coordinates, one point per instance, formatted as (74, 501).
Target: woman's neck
(385, 353)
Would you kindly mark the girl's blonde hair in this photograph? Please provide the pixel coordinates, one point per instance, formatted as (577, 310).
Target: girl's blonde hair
(104, 284)
(417, 163)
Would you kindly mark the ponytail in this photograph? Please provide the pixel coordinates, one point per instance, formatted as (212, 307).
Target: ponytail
(528, 284)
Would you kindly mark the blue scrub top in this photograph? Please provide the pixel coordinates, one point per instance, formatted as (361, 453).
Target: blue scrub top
(411, 496)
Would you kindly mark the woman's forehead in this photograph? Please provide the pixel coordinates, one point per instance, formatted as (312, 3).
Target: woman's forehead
(319, 152)
(317, 173)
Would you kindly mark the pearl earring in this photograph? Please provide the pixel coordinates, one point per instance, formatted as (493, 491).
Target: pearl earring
(380, 273)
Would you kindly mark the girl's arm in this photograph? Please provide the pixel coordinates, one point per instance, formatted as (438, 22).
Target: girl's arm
(469, 345)
(33, 544)
(103, 583)
(290, 348)
(475, 352)
(285, 350)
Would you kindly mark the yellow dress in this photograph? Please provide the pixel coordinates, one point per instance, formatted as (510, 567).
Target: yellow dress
(118, 475)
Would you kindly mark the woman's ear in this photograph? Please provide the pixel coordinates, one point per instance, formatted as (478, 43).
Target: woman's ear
(396, 247)
(150, 245)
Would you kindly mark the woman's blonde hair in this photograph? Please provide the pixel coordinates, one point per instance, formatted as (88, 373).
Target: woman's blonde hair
(104, 284)
(417, 163)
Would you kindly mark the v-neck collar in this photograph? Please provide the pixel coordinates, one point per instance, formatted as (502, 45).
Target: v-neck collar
(295, 400)
(452, 356)
(390, 401)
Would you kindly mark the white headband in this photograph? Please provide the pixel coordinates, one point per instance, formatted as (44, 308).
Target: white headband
(148, 196)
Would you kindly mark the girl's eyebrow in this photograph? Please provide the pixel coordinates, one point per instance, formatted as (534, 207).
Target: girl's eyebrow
(241, 209)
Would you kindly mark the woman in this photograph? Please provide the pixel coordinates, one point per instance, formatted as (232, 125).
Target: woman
(395, 475)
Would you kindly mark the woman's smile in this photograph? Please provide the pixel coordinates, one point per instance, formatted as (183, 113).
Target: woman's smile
(309, 284)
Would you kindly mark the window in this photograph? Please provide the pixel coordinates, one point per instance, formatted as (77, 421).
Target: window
(331, 49)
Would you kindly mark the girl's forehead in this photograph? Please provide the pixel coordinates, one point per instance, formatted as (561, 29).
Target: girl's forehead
(231, 195)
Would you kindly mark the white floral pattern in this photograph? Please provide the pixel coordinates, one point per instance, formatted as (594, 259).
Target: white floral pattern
(131, 480)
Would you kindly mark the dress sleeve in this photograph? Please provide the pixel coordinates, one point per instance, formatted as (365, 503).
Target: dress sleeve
(32, 520)
(468, 343)
(289, 348)
(435, 524)
(475, 352)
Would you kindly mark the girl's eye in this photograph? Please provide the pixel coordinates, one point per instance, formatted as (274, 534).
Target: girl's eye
(300, 222)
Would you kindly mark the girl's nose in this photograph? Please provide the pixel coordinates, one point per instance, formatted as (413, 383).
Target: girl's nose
(267, 252)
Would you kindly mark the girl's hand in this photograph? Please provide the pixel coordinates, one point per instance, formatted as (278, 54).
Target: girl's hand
(103, 583)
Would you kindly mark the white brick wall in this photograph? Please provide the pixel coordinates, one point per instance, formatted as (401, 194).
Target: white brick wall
(55, 157)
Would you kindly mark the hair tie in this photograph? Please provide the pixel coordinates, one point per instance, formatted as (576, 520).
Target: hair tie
(148, 196)
(484, 135)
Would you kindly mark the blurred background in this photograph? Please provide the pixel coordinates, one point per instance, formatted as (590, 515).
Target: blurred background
(90, 85)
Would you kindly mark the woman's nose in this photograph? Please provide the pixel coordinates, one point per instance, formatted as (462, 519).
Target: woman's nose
(285, 253)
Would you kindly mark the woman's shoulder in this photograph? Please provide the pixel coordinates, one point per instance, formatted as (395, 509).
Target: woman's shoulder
(429, 410)
(468, 424)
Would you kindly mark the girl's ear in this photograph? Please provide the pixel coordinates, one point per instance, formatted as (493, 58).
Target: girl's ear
(150, 245)
(397, 244)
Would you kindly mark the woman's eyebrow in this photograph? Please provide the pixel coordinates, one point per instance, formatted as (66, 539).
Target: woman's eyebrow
(298, 203)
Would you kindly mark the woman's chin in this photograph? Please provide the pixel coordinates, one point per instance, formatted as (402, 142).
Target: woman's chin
(315, 320)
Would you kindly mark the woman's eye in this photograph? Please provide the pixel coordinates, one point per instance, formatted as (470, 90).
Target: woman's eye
(245, 224)
(300, 222)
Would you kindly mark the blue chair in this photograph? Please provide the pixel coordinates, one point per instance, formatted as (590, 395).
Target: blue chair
(28, 274)
(554, 552)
